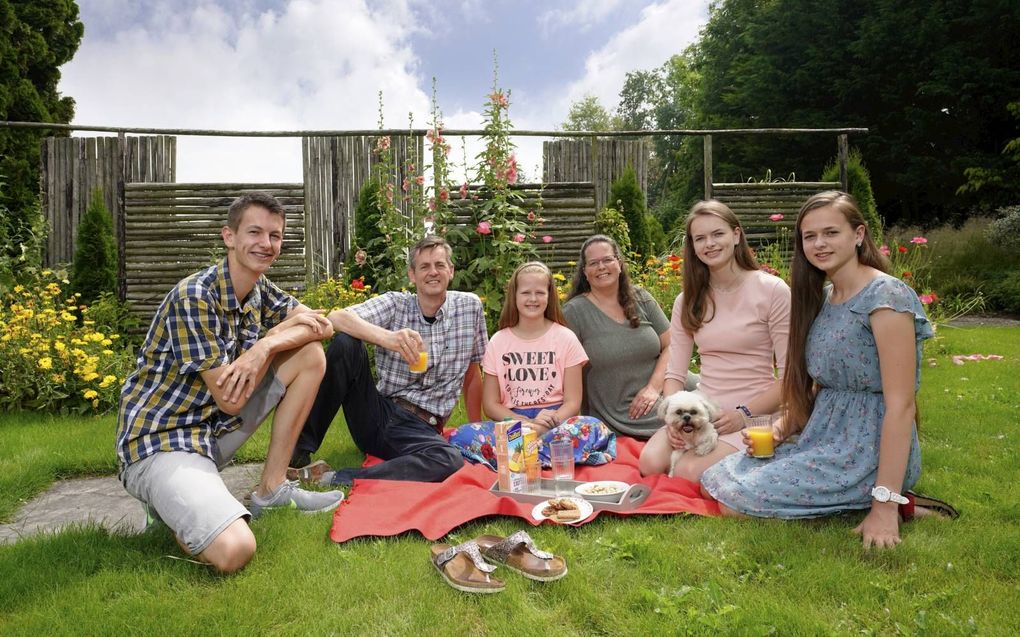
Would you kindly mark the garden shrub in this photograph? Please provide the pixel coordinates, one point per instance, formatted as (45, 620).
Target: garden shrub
(656, 235)
(333, 294)
(1004, 294)
(625, 195)
(611, 223)
(859, 183)
(52, 359)
(367, 213)
(94, 270)
(1005, 231)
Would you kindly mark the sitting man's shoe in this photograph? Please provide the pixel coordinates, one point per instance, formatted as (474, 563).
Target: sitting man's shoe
(290, 495)
(310, 473)
(300, 458)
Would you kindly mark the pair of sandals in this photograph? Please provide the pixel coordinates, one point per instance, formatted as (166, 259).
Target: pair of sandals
(464, 567)
(939, 507)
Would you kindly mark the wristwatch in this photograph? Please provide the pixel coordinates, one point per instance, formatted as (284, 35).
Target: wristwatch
(743, 408)
(883, 494)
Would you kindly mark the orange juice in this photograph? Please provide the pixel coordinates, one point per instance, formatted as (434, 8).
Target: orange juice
(531, 465)
(422, 364)
(762, 443)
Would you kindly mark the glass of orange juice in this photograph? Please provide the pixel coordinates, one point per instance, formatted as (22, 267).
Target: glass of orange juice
(422, 363)
(759, 430)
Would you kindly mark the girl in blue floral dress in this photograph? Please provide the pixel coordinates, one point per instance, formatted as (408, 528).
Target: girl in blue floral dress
(852, 373)
(533, 373)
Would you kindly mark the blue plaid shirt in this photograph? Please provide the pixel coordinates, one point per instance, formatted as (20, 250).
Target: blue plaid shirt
(456, 339)
(165, 405)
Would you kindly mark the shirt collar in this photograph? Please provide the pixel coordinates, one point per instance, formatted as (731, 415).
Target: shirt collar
(230, 301)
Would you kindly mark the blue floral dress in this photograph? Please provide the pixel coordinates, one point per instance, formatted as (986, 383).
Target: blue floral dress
(832, 467)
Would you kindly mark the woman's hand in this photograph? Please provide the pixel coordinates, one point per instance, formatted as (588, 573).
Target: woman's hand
(644, 402)
(546, 418)
(729, 421)
(675, 440)
(539, 427)
(881, 527)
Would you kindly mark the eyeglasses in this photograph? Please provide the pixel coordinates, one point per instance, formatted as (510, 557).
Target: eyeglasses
(606, 261)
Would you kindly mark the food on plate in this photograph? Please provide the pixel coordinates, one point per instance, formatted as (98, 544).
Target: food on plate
(597, 488)
(562, 510)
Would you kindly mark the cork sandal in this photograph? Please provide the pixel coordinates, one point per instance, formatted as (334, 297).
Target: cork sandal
(464, 569)
(519, 553)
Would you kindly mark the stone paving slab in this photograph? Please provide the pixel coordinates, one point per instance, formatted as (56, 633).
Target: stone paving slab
(102, 501)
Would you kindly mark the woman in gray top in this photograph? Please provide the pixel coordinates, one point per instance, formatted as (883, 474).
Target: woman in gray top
(624, 332)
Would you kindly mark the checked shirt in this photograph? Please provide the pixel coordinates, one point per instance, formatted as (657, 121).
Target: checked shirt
(200, 325)
(456, 339)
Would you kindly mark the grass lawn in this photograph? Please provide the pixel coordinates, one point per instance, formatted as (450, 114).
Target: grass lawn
(630, 576)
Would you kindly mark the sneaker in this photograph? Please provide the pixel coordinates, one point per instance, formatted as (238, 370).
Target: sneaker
(152, 518)
(311, 473)
(290, 495)
(300, 458)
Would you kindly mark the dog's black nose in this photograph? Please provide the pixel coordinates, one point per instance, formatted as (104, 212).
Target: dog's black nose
(687, 418)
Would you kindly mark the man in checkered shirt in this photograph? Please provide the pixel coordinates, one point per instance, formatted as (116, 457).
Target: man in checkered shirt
(207, 377)
(401, 419)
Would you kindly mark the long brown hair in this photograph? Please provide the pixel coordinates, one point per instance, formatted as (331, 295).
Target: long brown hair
(807, 296)
(510, 316)
(625, 295)
(697, 297)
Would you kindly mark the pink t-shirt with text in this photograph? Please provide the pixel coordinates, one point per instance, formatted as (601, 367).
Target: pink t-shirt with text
(530, 372)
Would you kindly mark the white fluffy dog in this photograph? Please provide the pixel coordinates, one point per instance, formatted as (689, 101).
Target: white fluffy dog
(690, 414)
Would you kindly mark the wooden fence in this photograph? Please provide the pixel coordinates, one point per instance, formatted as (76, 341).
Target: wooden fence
(172, 230)
(72, 167)
(569, 213)
(335, 169)
(594, 160)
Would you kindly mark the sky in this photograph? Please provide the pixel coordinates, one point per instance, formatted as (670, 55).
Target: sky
(321, 64)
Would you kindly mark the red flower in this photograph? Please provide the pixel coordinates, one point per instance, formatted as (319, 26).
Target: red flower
(928, 299)
(901, 249)
(674, 258)
(483, 227)
(907, 274)
(358, 284)
(531, 215)
(444, 195)
(675, 265)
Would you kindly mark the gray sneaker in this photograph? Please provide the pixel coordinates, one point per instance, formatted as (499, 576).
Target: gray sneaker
(290, 495)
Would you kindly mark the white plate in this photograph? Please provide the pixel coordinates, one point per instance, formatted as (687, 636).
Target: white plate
(583, 506)
(614, 489)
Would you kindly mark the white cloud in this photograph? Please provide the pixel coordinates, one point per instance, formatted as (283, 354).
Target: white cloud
(313, 64)
(664, 29)
(581, 16)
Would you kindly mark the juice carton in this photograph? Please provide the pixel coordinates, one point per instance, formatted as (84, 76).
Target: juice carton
(516, 469)
(531, 465)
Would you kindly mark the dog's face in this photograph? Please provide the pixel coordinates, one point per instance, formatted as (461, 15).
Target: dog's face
(688, 413)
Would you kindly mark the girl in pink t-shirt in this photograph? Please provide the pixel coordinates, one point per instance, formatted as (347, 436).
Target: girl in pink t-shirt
(532, 372)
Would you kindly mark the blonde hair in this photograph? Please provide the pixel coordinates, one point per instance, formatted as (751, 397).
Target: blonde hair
(510, 316)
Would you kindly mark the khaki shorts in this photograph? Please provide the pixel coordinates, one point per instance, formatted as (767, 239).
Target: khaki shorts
(185, 488)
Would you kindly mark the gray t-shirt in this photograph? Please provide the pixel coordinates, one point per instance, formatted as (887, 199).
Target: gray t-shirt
(621, 359)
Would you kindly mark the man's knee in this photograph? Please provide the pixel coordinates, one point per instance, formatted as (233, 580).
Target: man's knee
(344, 349)
(313, 359)
(232, 549)
(447, 461)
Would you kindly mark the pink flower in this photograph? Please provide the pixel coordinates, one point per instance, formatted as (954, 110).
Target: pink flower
(360, 257)
(884, 250)
(519, 238)
(928, 299)
(381, 144)
(546, 239)
(406, 185)
(420, 179)
(498, 98)
(444, 195)
(432, 204)
(776, 217)
(531, 215)
(463, 190)
(430, 135)
(920, 241)
(483, 227)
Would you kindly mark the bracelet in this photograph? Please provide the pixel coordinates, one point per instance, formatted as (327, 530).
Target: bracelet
(743, 408)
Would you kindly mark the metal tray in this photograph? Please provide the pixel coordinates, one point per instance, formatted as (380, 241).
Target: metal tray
(626, 501)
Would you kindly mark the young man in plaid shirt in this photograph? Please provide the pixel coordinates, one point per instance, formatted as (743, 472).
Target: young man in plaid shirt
(400, 420)
(206, 379)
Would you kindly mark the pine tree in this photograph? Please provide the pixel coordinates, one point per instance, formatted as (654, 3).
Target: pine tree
(95, 257)
(626, 196)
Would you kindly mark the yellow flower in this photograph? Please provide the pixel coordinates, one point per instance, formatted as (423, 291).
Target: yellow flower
(95, 404)
(67, 316)
(46, 272)
(106, 342)
(108, 380)
(90, 394)
(107, 352)
(19, 288)
(46, 363)
(90, 376)
(59, 346)
(559, 277)
(57, 378)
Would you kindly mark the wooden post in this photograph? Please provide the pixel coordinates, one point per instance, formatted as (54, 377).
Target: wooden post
(708, 166)
(118, 175)
(843, 157)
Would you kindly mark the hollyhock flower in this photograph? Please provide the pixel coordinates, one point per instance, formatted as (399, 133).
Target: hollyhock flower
(406, 185)
(776, 217)
(358, 284)
(919, 241)
(420, 180)
(430, 135)
(546, 239)
(884, 250)
(463, 190)
(444, 195)
(519, 238)
(483, 227)
(432, 204)
(498, 98)
(928, 299)
(531, 215)
(381, 144)
(361, 257)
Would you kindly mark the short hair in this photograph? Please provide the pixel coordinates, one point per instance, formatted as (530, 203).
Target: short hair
(249, 199)
(428, 243)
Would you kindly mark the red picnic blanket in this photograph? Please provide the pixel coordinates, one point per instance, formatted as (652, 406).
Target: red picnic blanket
(390, 507)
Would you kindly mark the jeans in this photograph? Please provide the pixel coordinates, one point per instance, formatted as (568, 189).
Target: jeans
(410, 448)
